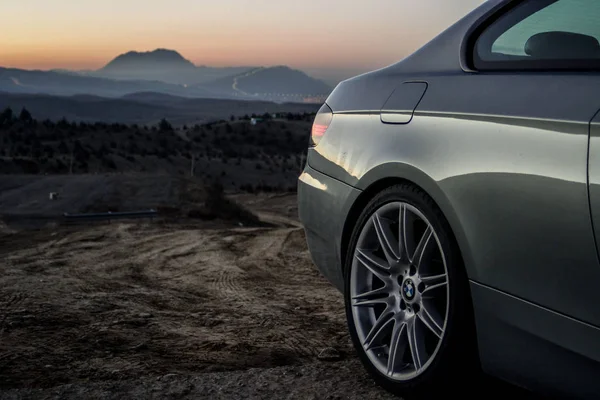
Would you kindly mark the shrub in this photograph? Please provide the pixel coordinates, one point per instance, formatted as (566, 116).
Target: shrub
(109, 163)
(6, 117)
(219, 206)
(25, 116)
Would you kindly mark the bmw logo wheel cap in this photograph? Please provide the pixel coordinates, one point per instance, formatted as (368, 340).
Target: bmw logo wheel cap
(408, 289)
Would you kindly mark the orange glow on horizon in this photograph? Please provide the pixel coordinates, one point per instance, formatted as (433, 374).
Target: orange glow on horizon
(64, 34)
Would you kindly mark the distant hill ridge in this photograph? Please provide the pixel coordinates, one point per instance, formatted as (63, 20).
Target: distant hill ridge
(142, 108)
(168, 72)
(281, 79)
(163, 65)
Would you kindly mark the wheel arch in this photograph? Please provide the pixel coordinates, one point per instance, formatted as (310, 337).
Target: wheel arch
(385, 176)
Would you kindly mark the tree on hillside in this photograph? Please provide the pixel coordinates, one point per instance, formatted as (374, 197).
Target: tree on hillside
(63, 123)
(165, 126)
(25, 116)
(6, 117)
(80, 153)
(48, 151)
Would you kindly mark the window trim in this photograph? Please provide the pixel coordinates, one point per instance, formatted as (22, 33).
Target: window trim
(471, 62)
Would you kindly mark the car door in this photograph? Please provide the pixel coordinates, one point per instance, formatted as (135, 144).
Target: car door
(594, 176)
(520, 186)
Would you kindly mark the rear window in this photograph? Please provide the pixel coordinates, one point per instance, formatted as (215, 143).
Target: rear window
(544, 34)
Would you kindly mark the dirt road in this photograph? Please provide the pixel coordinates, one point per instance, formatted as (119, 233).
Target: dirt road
(166, 310)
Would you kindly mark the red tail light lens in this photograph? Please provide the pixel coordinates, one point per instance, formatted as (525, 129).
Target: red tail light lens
(322, 122)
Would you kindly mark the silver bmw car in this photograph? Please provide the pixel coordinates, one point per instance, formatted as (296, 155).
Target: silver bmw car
(454, 199)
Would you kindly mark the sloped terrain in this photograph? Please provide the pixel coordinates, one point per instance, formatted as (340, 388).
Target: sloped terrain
(168, 72)
(279, 84)
(162, 65)
(140, 107)
(25, 199)
(14, 80)
(283, 80)
(240, 155)
(110, 304)
(162, 310)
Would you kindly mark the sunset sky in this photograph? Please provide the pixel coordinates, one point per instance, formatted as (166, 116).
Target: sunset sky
(325, 37)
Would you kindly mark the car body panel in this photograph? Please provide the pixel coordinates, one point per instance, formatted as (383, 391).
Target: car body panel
(534, 347)
(505, 157)
(515, 171)
(482, 164)
(324, 224)
(594, 176)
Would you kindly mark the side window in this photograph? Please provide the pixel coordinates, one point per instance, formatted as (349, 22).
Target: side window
(542, 34)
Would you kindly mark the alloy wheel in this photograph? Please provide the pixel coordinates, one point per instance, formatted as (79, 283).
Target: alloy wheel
(399, 291)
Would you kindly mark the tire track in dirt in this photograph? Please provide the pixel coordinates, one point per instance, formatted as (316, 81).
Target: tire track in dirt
(302, 344)
(222, 260)
(264, 253)
(258, 255)
(8, 304)
(12, 300)
(213, 299)
(227, 283)
(184, 250)
(243, 246)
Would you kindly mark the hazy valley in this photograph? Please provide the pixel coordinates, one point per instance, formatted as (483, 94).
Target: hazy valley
(146, 108)
(167, 72)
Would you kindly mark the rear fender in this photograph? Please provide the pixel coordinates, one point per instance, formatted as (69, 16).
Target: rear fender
(395, 172)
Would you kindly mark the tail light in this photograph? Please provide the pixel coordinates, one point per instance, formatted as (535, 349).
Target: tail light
(322, 122)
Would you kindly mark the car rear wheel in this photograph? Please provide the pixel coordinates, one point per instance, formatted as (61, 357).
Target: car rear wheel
(407, 297)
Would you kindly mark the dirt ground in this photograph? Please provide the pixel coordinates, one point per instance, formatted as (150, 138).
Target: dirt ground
(165, 310)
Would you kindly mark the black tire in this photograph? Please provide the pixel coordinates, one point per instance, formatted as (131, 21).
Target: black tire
(455, 367)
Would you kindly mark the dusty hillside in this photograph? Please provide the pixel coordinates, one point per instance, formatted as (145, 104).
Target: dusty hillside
(141, 103)
(176, 311)
(118, 303)
(242, 156)
(25, 200)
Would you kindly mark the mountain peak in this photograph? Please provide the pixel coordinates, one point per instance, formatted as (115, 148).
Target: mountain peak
(159, 58)
(158, 53)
